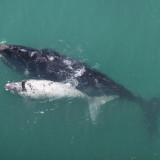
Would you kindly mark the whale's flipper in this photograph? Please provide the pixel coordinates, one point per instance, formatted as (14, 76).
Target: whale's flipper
(95, 104)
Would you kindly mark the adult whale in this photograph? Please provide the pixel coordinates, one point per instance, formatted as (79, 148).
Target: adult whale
(50, 65)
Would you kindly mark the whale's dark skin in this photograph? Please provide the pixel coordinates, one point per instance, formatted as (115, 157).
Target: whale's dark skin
(50, 65)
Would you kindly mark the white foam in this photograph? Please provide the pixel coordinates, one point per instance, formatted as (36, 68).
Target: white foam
(72, 82)
(3, 42)
(41, 112)
(79, 72)
(68, 63)
(51, 58)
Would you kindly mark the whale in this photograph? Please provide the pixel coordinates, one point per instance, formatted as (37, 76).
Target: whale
(43, 89)
(50, 65)
(50, 90)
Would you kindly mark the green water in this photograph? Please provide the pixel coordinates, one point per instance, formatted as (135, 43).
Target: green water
(120, 39)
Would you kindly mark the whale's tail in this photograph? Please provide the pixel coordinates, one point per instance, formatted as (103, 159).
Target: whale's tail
(151, 110)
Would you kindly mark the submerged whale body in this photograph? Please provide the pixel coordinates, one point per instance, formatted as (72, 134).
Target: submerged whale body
(50, 65)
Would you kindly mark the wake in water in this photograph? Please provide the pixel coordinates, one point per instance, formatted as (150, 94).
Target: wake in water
(3, 42)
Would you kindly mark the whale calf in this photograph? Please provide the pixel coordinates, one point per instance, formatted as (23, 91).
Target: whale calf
(50, 65)
(45, 89)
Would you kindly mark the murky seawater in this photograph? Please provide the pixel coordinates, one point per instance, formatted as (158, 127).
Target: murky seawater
(118, 38)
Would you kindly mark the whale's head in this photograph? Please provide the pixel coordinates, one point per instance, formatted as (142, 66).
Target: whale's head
(16, 52)
(17, 57)
(15, 87)
(32, 63)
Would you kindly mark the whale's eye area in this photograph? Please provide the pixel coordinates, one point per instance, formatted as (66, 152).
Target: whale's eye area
(23, 85)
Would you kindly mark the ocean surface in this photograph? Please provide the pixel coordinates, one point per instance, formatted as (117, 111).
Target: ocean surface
(120, 39)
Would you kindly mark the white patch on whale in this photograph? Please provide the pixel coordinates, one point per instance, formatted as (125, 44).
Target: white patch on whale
(23, 50)
(71, 82)
(4, 46)
(79, 72)
(68, 63)
(33, 53)
(51, 58)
